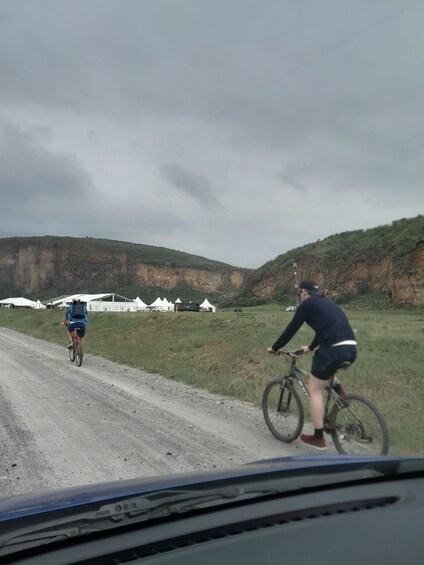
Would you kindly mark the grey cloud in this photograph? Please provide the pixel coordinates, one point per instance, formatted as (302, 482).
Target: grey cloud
(193, 185)
(37, 186)
(229, 100)
(29, 171)
(290, 181)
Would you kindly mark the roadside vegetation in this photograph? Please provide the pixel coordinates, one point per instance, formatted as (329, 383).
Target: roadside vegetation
(225, 353)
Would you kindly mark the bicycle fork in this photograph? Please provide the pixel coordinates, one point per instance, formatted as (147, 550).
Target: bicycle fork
(283, 407)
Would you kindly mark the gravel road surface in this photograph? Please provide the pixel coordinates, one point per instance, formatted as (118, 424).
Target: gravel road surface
(63, 425)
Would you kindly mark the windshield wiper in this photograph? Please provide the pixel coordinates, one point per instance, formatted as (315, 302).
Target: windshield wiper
(165, 503)
(150, 506)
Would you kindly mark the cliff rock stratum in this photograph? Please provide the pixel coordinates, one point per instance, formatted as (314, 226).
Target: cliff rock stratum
(384, 264)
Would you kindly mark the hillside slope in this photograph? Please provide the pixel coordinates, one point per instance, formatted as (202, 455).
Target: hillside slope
(42, 267)
(387, 261)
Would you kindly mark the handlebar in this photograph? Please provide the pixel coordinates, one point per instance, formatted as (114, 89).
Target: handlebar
(292, 354)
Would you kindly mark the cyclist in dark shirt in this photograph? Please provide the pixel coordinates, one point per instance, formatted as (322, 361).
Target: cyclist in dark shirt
(334, 344)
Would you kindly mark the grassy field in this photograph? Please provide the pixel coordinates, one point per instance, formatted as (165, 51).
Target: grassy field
(225, 353)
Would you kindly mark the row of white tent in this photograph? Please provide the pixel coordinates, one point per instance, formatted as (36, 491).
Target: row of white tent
(106, 302)
(166, 306)
(113, 302)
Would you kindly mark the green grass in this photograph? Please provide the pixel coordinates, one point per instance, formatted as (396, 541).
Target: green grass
(225, 353)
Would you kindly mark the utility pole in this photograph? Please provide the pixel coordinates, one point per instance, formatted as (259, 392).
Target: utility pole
(295, 282)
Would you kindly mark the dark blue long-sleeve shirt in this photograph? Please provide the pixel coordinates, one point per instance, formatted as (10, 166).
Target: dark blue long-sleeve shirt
(326, 318)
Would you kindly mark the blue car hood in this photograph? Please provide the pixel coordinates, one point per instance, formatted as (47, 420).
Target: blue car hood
(18, 506)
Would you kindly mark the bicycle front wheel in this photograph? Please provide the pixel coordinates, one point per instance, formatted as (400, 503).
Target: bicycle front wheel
(283, 410)
(358, 428)
(79, 354)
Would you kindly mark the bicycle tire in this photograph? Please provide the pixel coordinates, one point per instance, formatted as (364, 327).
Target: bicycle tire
(79, 354)
(283, 410)
(72, 354)
(358, 428)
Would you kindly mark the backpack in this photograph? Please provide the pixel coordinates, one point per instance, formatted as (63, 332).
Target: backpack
(78, 311)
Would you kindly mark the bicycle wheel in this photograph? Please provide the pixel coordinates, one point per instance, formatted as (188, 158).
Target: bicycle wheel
(72, 354)
(79, 354)
(283, 410)
(358, 428)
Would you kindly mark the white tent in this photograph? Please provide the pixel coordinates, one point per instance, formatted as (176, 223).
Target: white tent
(156, 305)
(109, 302)
(64, 300)
(178, 301)
(167, 305)
(206, 305)
(105, 302)
(39, 305)
(17, 302)
(140, 304)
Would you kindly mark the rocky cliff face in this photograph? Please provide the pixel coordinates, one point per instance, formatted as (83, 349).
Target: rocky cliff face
(48, 266)
(388, 260)
(401, 278)
(206, 281)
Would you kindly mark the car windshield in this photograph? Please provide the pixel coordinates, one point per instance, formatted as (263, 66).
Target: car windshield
(211, 239)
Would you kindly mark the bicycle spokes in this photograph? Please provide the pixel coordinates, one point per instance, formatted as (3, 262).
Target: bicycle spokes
(357, 427)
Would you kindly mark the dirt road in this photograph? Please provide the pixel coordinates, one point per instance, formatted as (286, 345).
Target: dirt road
(63, 425)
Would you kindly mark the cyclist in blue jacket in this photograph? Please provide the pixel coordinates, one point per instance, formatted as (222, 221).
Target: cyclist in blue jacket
(76, 317)
(334, 344)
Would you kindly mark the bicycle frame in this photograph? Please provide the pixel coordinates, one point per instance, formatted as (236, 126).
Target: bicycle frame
(297, 374)
(75, 339)
(76, 352)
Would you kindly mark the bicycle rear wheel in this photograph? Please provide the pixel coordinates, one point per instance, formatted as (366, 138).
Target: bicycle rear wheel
(358, 428)
(79, 354)
(72, 353)
(283, 410)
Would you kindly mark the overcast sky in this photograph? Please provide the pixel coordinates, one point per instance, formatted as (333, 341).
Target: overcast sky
(232, 129)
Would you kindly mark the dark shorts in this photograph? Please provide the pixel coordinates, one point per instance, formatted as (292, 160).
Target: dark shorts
(327, 360)
(80, 325)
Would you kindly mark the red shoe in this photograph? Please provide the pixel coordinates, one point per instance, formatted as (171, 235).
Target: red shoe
(312, 441)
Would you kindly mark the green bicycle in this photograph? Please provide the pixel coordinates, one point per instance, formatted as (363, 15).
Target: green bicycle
(355, 424)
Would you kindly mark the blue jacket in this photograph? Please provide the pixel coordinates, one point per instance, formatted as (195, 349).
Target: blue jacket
(69, 315)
